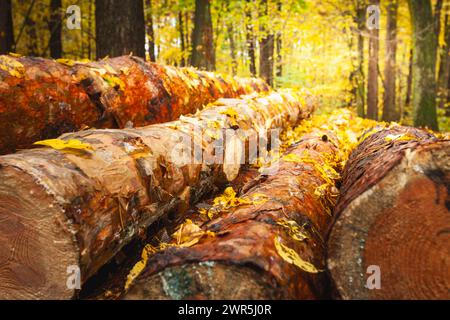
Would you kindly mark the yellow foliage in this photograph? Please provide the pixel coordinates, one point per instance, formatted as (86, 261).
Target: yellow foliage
(14, 67)
(292, 257)
(140, 265)
(59, 144)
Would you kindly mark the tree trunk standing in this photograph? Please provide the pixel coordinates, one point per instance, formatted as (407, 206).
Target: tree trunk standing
(372, 75)
(6, 27)
(279, 42)
(250, 37)
(182, 36)
(392, 218)
(424, 64)
(203, 55)
(360, 86)
(266, 45)
(120, 28)
(150, 30)
(444, 67)
(234, 63)
(90, 31)
(390, 111)
(55, 26)
(409, 80)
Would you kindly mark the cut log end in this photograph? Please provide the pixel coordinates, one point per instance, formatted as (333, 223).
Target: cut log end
(36, 252)
(402, 226)
(199, 281)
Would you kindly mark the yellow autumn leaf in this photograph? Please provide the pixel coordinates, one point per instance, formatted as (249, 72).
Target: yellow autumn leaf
(114, 81)
(12, 66)
(15, 55)
(295, 231)
(140, 265)
(67, 62)
(398, 137)
(59, 144)
(292, 257)
(232, 115)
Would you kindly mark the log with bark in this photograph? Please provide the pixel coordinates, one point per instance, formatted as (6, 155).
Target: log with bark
(266, 243)
(391, 236)
(79, 201)
(42, 99)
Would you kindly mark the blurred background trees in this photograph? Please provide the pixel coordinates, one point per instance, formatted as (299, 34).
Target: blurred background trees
(397, 72)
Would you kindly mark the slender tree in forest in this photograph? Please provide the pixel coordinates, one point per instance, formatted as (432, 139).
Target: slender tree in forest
(149, 29)
(360, 81)
(279, 68)
(203, 54)
(250, 37)
(372, 75)
(182, 38)
(409, 79)
(444, 66)
(266, 45)
(55, 27)
(424, 64)
(390, 112)
(6, 27)
(120, 27)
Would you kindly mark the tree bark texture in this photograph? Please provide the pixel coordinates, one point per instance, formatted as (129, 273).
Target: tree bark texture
(120, 28)
(62, 208)
(203, 52)
(424, 64)
(241, 260)
(393, 217)
(6, 27)
(41, 99)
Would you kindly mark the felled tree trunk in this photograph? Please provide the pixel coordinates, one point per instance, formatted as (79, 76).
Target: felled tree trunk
(268, 247)
(78, 206)
(41, 98)
(391, 235)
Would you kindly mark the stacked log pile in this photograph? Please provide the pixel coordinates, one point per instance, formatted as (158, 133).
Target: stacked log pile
(268, 242)
(42, 99)
(78, 201)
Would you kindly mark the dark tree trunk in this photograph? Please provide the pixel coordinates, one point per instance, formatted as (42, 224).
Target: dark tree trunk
(390, 112)
(266, 47)
(409, 80)
(55, 29)
(120, 27)
(183, 44)
(150, 30)
(424, 64)
(203, 54)
(250, 38)
(6, 27)
(372, 77)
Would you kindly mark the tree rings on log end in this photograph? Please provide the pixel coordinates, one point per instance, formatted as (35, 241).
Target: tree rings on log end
(37, 252)
(393, 240)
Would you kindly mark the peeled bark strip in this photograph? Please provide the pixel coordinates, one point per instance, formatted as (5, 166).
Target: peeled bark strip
(41, 98)
(393, 214)
(235, 255)
(79, 207)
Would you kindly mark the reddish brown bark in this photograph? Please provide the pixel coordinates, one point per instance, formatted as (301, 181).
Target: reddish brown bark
(64, 208)
(241, 261)
(393, 213)
(41, 99)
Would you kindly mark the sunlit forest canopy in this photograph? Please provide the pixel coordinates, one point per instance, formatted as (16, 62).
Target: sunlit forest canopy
(326, 46)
